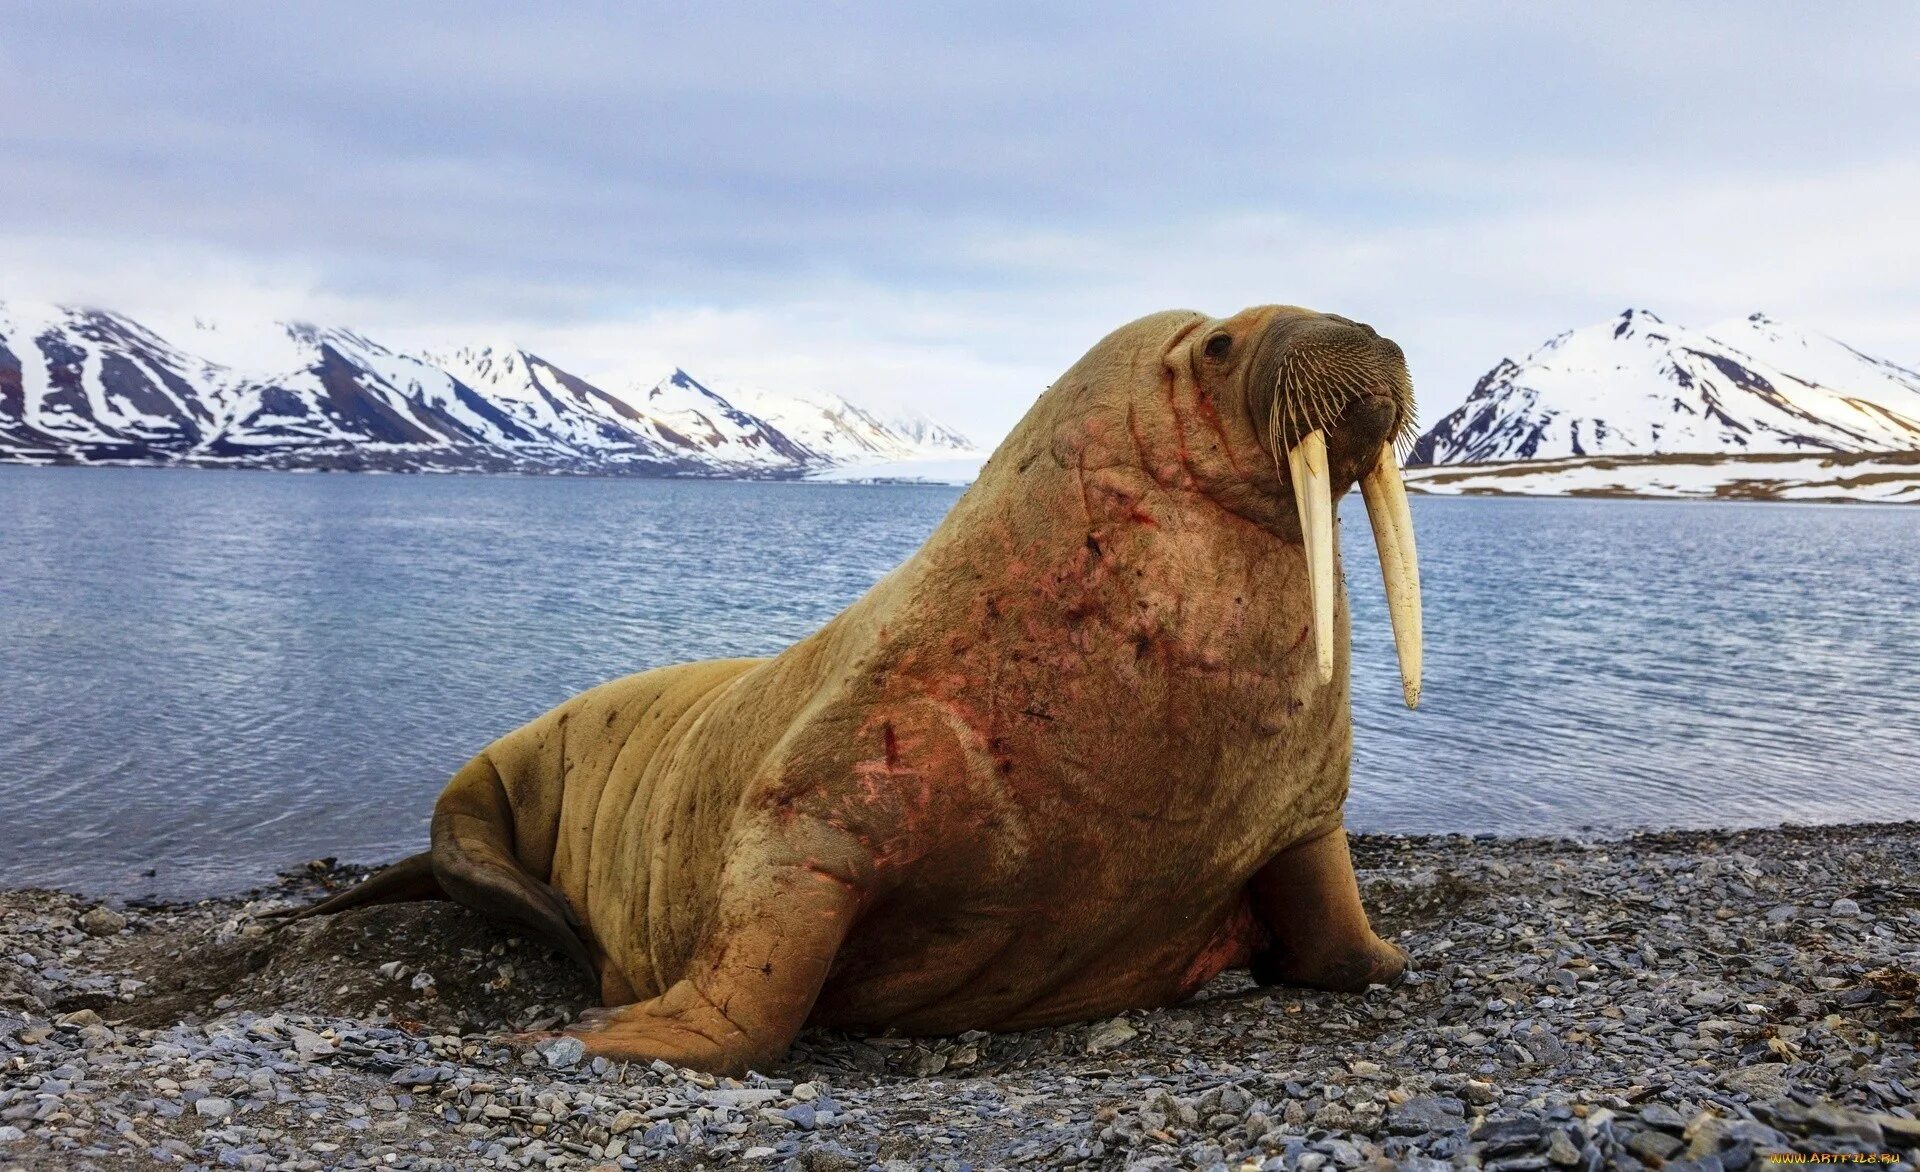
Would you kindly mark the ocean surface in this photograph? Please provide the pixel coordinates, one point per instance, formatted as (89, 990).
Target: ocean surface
(206, 677)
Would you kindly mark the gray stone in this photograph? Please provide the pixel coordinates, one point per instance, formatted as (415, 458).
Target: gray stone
(417, 1076)
(1765, 1080)
(1109, 1035)
(1663, 1117)
(563, 1052)
(1426, 1113)
(1905, 1132)
(1509, 1136)
(1706, 1135)
(1561, 1149)
(1653, 1145)
(212, 1108)
(102, 921)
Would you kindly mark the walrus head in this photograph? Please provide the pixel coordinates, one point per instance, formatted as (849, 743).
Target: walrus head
(1328, 400)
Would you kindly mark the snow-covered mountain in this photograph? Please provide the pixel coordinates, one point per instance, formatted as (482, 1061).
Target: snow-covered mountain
(92, 382)
(833, 428)
(1640, 386)
(89, 386)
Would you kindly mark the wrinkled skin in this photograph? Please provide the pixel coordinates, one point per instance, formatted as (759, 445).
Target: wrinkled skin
(1071, 758)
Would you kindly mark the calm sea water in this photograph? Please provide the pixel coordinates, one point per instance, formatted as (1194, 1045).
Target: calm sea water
(207, 676)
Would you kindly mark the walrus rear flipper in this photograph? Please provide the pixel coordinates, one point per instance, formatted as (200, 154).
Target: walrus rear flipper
(474, 861)
(411, 878)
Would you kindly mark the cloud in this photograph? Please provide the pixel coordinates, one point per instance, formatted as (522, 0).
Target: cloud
(946, 206)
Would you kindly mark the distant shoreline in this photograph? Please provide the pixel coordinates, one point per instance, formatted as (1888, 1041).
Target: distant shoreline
(693, 477)
(1884, 478)
(1786, 477)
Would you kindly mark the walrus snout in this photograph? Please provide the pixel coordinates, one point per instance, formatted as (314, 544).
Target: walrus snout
(1336, 396)
(1323, 372)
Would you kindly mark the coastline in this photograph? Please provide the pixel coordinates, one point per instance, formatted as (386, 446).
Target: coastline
(1884, 478)
(1686, 998)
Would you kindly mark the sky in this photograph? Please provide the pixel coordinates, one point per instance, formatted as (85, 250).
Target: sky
(942, 206)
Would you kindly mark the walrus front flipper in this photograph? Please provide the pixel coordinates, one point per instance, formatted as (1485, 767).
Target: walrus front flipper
(788, 897)
(1308, 898)
(411, 878)
(474, 862)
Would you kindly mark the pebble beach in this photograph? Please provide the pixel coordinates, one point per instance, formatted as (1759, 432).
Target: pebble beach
(1681, 1000)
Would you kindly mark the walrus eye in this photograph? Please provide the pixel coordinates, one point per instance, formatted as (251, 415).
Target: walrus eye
(1218, 346)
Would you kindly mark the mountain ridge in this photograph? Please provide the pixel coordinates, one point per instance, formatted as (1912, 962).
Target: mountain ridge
(1638, 385)
(82, 385)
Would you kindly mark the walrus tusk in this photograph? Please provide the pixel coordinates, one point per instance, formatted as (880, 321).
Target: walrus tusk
(1386, 495)
(1313, 497)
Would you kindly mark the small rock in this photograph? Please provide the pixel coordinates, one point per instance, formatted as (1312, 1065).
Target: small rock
(832, 1159)
(102, 921)
(213, 1108)
(1332, 1117)
(1508, 1136)
(563, 1052)
(1663, 1117)
(657, 1136)
(1705, 1135)
(742, 1096)
(1764, 1080)
(1561, 1149)
(417, 1076)
(1905, 1132)
(1418, 1116)
(1343, 1152)
(1110, 1034)
(1654, 1147)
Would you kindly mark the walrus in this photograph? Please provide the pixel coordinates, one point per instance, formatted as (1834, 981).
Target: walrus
(1084, 750)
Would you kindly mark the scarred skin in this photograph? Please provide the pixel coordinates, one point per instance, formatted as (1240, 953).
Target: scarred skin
(1071, 758)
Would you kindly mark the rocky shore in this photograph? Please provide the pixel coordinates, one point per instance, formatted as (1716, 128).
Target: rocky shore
(1713, 1000)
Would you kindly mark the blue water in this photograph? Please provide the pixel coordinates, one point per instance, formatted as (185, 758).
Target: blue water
(213, 675)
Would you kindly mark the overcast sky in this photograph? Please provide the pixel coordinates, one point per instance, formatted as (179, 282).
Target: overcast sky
(943, 206)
